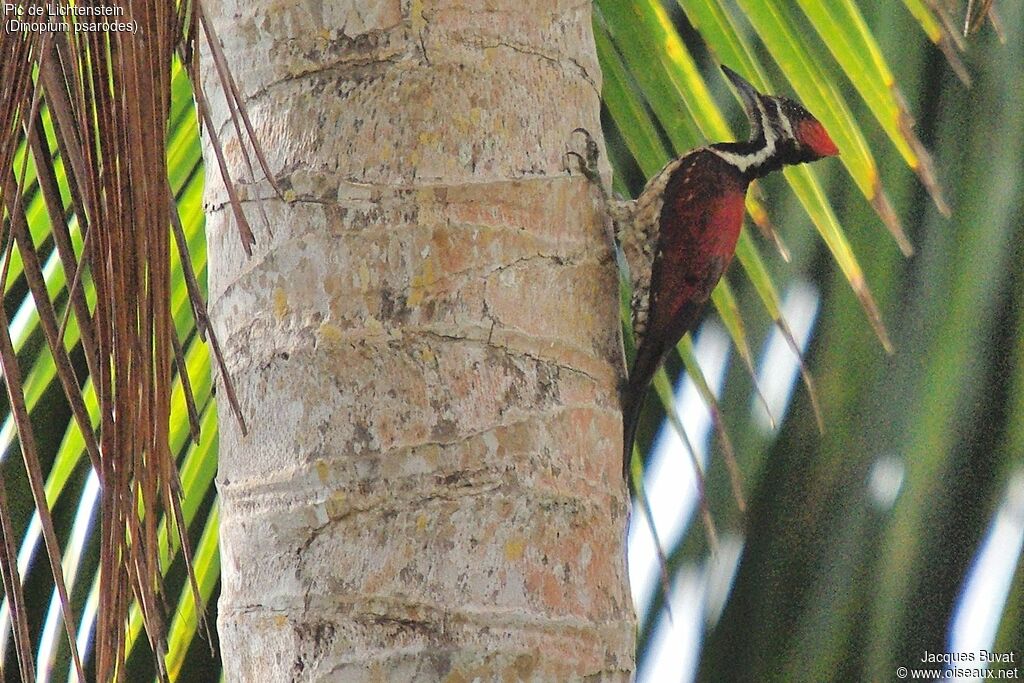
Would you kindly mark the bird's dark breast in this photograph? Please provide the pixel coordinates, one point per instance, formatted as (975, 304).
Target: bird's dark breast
(699, 225)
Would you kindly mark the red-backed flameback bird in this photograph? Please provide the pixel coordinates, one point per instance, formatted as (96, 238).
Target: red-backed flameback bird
(679, 236)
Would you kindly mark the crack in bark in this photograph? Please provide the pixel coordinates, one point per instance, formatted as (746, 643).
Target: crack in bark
(371, 606)
(512, 352)
(394, 55)
(556, 61)
(388, 335)
(385, 188)
(421, 36)
(279, 489)
(391, 504)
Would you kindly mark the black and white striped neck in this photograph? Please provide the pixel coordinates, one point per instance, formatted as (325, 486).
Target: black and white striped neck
(766, 150)
(752, 159)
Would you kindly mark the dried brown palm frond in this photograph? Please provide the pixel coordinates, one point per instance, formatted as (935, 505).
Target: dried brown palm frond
(107, 96)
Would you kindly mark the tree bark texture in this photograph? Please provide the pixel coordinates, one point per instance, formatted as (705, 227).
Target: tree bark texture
(425, 347)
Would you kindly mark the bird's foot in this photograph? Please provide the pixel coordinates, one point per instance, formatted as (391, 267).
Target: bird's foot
(586, 158)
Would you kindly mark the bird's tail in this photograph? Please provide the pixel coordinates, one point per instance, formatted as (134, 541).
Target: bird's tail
(633, 397)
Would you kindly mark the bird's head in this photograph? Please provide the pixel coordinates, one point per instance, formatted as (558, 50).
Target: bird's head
(778, 121)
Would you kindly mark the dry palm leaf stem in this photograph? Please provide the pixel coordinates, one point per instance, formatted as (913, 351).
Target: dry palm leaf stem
(107, 96)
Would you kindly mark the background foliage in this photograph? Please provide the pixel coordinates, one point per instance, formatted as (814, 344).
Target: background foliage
(832, 584)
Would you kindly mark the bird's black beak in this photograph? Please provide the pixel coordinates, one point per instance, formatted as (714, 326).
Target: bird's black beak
(748, 95)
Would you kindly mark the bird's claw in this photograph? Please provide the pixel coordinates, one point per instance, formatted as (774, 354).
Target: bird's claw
(573, 153)
(588, 159)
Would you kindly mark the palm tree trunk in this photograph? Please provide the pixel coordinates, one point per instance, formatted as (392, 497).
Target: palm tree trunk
(424, 344)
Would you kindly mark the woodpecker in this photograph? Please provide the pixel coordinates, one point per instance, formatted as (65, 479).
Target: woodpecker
(679, 235)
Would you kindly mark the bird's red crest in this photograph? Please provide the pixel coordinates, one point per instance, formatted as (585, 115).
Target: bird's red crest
(813, 134)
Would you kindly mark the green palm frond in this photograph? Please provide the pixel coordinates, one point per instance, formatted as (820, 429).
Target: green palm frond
(832, 56)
